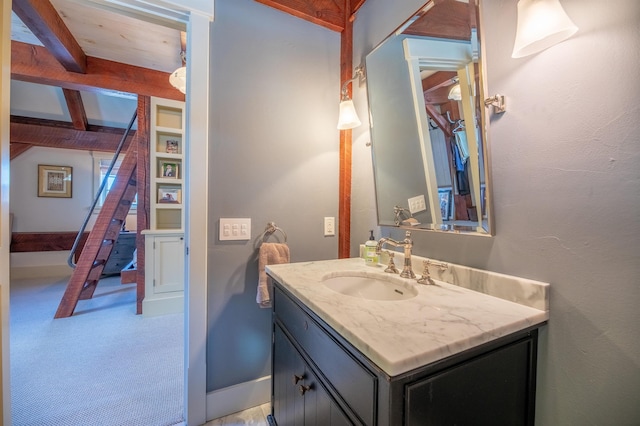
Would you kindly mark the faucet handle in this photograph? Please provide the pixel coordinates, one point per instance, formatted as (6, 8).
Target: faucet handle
(391, 268)
(426, 276)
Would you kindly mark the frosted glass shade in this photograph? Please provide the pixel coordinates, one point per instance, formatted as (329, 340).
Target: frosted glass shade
(541, 24)
(178, 79)
(348, 117)
(455, 94)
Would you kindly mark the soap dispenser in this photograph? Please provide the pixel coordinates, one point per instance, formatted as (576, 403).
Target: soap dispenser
(370, 255)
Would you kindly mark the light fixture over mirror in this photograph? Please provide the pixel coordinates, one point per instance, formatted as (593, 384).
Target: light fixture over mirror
(348, 118)
(178, 78)
(429, 143)
(541, 24)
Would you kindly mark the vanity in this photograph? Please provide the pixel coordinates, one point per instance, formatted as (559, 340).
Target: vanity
(461, 351)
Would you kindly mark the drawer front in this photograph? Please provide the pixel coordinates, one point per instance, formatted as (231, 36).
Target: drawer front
(354, 383)
(121, 254)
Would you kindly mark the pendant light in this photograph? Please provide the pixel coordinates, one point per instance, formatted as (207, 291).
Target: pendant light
(455, 94)
(178, 78)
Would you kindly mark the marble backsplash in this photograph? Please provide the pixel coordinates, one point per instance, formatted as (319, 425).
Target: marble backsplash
(524, 291)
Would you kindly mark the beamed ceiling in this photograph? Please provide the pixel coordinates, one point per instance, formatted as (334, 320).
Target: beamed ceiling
(78, 55)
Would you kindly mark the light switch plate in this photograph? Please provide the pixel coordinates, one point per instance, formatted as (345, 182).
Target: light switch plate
(417, 204)
(235, 229)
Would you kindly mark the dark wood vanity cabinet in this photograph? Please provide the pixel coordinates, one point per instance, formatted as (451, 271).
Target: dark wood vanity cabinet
(302, 398)
(320, 379)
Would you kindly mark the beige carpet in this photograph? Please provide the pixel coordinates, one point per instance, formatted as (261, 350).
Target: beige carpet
(102, 366)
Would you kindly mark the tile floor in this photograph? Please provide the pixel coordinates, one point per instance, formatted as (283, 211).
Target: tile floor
(256, 416)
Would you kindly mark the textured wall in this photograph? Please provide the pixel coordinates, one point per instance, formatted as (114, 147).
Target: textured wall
(567, 194)
(274, 157)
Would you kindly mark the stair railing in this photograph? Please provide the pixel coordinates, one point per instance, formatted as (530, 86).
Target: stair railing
(103, 185)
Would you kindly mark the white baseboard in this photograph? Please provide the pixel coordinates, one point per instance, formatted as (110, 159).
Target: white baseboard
(152, 307)
(239, 397)
(46, 271)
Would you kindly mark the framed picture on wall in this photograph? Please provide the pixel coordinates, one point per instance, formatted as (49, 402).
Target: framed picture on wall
(169, 195)
(169, 170)
(172, 146)
(445, 197)
(54, 181)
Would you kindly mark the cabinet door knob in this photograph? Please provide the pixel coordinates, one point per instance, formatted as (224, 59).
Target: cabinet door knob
(304, 389)
(297, 378)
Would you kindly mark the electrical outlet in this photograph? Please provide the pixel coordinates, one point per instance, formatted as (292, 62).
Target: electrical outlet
(235, 229)
(329, 226)
(417, 204)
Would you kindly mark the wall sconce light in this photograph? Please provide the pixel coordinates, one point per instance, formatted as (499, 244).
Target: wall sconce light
(541, 24)
(455, 94)
(348, 118)
(178, 78)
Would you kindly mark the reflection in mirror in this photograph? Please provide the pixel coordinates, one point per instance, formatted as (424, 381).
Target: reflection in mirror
(425, 91)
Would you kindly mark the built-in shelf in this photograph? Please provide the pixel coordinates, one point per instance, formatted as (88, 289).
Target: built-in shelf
(164, 241)
(166, 164)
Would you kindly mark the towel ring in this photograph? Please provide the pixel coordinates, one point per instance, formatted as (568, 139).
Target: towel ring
(270, 229)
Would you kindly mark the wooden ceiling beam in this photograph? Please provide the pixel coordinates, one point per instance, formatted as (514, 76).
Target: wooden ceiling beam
(58, 134)
(447, 19)
(438, 79)
(15, 149)
(44, 22)
(355, 5)
(327, 13)
(35, 64)
(439, 119)
(437, 96)
(76, 109)
(65, 125)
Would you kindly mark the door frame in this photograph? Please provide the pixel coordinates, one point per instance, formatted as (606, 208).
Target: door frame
(195, 16)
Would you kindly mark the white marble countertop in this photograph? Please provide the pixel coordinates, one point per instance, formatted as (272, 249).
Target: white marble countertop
(442, 320)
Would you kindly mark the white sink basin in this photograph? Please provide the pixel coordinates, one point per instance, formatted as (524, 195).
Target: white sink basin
(379, 287)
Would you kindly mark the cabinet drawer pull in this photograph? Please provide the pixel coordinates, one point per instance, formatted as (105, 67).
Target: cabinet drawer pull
(304, 389)
(297, 378)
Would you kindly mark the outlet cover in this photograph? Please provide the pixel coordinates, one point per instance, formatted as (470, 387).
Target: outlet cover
(329, 226)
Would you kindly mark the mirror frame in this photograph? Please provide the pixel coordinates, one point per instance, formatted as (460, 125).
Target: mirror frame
(482, 227)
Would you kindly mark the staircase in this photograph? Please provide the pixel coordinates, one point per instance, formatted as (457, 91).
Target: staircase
(103, 236)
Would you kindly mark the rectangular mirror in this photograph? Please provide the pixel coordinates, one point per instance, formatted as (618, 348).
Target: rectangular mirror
(428, 129)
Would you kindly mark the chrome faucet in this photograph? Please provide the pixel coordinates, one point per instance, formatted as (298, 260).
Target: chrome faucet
(407, 244)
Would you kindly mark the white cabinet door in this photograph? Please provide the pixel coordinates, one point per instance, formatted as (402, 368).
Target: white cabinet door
(168, 271)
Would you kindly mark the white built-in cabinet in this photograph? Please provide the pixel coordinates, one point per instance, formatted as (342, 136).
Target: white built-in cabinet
(164, 240)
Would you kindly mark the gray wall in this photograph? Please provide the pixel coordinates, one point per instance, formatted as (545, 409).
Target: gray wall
(273, 157)
(566, 177)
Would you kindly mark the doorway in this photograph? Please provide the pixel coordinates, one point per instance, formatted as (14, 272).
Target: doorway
(196, 16)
